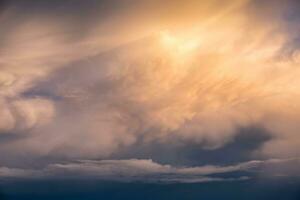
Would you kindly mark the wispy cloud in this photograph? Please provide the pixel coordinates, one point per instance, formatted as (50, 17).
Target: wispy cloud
(143, 170)
(190, 71)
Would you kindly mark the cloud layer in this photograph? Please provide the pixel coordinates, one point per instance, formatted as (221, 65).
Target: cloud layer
(148, 171)
(198, 73)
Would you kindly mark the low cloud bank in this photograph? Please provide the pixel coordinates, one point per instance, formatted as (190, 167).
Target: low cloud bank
(148, 171)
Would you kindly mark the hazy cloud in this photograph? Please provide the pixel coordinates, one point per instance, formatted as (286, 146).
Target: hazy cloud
(146, 171)
(199, 72)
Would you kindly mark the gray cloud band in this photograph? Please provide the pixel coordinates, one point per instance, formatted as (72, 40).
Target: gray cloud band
(146, 171)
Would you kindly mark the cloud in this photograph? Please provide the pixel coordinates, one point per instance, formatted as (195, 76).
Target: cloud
(6, 172)
(146, 171)
(197, 73)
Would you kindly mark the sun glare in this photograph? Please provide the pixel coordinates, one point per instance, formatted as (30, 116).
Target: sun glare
(178, 45)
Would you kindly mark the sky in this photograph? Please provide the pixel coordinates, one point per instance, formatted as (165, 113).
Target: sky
(131, 98)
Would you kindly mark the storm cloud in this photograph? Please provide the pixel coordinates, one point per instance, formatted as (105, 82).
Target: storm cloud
(89, 80)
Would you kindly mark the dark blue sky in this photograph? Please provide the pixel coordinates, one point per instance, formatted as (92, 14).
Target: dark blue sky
(275, 189)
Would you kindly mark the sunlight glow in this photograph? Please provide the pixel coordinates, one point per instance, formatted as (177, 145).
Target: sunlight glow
(177, 45)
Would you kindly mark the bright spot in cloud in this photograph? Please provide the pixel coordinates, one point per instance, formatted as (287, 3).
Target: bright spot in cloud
(179, 45)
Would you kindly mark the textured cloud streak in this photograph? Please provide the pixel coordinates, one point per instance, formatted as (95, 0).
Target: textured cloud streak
(184, 74)
(147, 171)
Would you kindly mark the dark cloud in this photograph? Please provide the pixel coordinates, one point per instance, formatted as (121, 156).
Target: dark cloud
(176, 152)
